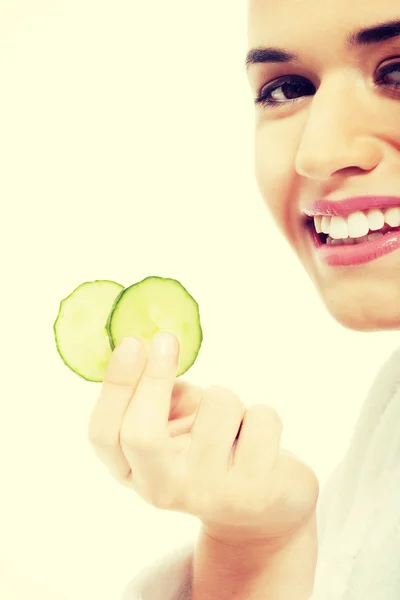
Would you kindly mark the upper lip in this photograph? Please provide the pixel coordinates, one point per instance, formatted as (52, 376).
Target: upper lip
(348, 205)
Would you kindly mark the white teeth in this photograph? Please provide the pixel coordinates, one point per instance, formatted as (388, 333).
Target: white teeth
(357, 223)
(325, 224)
(350, 241)
(392, 217)
(317, 224)
(361, 240)
(376, 219)
(334, 242)
(347, 242)
(374, 236)
(338, 228)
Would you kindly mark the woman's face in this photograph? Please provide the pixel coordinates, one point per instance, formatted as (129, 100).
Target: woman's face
(339, 139)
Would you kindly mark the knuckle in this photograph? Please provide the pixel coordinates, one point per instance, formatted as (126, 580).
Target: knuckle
(220, 397)
(268, 414)
(162, 491)
(138, 440)
(275, 418)
(101, 438)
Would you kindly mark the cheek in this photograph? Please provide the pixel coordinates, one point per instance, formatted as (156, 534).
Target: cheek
(275, 174)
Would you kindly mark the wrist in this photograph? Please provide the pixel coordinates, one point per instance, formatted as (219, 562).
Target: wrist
(257, 568)
(245, 537)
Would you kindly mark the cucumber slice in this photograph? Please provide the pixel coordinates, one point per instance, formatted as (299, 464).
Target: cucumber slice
(158, 303)
(80, 328)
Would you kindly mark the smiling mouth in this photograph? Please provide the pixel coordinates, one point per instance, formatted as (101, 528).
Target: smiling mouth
(326, 239)
(356, 228)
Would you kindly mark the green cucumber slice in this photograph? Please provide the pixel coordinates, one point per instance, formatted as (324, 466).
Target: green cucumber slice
(153, 304)
(80, 328)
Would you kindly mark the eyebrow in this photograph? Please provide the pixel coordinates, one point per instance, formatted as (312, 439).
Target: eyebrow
(363, 37)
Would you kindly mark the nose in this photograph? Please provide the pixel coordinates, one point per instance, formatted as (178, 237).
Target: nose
(337, 136)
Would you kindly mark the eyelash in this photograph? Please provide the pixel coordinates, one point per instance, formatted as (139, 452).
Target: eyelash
(297, 81)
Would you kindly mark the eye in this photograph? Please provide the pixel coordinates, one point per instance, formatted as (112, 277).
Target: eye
(285, 90)
(292, 88)
(392, 69)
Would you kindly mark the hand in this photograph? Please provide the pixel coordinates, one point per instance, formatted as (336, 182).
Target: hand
(178, 447)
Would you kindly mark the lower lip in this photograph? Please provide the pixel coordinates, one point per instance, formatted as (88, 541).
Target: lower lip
(355, 254)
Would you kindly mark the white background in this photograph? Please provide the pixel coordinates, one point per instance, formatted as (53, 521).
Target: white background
(126, 132)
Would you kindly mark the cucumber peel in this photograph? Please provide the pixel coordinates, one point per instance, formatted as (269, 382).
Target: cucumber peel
(97, 315)
(80, 334)
(154, 304)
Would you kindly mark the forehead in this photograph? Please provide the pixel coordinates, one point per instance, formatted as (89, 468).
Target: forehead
(301, 23)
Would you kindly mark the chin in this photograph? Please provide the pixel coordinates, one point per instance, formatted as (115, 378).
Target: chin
(355, 308)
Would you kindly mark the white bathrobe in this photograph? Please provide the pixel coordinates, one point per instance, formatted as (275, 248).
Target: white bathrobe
(358, 514)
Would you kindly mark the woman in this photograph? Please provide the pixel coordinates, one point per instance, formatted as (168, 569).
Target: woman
(326, 79)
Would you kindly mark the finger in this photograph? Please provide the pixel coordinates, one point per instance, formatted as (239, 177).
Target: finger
(145, 423)
(258, 446)
(185, 399)
(215, 428)
(122, 376)
(181, 426)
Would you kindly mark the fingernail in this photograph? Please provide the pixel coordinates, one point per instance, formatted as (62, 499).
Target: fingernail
(163, 344)
(128, 350)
